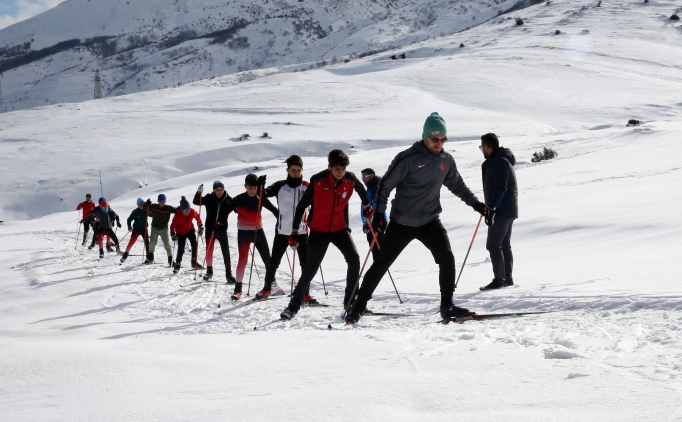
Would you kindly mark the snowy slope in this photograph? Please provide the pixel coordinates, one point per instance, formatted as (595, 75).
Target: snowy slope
(152, 44)
(81, 339)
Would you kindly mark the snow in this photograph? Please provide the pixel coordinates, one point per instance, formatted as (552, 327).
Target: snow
(81, 339)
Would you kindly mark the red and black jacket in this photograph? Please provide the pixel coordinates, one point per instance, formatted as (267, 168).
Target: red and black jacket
(328, 199)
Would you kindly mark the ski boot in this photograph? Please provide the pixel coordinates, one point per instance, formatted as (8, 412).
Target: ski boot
(176, 267)
(230, 278)
(237, 291)
(118, 250)
(110, 247)
(170, 260)
(150, 259)
(290, 311)
(452, 311)
(356, 311)
(196, 266)
(124, 257)
(83, 244)
(91, 246)
(509, 282)
(263, 293)
(101, 253)
(209, 273)
(495, 284)
(308, 299)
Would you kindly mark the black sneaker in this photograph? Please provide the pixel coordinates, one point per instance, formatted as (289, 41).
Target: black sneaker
(101, 253)
(230, 278)
(454, 312)
(290, 311)
(91, 246)
(150, 259)
(196, 266)
(176, 268)
(356, 312)
(209, 273)
(495, 284)
(509, 282)
(124, 257)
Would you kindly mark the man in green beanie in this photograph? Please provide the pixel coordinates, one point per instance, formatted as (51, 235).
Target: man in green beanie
(417, 174)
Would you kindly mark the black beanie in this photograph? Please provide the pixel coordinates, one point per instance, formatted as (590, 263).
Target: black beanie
(184, 204)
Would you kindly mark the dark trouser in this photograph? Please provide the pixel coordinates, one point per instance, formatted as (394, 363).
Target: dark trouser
(380, 238)
(86, 229)
(279, 248)
(318, 242)
(94, 235)
(182, 239)
(106, 232)
(244, 240)
(133, 238)
(499, 246)
(220, 237)
(434, 236)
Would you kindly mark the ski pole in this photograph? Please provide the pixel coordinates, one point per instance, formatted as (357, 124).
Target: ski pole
(173, 256)
(255, 237)
(200, 199)
(209, 244)
(467, 255)
(78, 232)
(101, 191)
(145, 241)
(389, 271)
(323, 286)
(293, 268)
(119, 242)
(346, 306)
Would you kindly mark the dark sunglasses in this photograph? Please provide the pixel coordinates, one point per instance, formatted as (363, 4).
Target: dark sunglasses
(438, 141)
(185, 210)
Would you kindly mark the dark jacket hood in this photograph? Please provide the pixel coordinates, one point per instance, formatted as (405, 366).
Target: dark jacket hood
(504, 153)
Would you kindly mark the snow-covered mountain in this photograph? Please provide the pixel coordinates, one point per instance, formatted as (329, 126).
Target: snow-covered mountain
(141, 45)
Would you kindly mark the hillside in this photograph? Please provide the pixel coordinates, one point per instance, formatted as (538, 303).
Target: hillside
(151, 44)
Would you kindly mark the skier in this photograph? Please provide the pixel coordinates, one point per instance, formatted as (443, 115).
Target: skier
(218, 208)
(250, 226)
(160, 217)
(94, 229)
(417, 174)
(87, 206)
(137, 224)
(182, 229)
(105, 221)
(288, 193)
(502, 199)
(371, 181)
(328, 194)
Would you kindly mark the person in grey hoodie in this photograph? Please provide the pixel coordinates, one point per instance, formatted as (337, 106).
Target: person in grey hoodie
(502, 200)
(417, 175)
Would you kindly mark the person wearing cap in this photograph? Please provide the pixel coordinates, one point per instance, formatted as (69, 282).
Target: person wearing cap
(87, 206)
(94, 224)
(218, 207)
(417, 175)
(137, 224)
(160, 218)
(182, 230)
(105, 217)
(371, 181)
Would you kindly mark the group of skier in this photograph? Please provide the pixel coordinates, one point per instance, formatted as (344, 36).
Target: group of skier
(312, 215)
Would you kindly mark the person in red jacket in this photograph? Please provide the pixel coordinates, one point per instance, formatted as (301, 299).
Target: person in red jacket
(182, 229)
(87, 206)
(328, 194)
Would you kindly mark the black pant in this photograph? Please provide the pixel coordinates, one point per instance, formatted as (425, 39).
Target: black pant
(499, 246)
(102, 233)
(86, 229)
(434, 236)
(182, 239)
(318, 242)
(244, 240)
(279, 247)
(220, 237)
(94, 235)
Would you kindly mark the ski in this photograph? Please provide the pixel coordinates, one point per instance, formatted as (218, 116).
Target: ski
(269, 323)
(309, 304)
(481, 317)
(241, 305)
(372, 313)
(197, 283)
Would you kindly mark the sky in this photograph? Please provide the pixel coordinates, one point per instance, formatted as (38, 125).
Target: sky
(13, 11)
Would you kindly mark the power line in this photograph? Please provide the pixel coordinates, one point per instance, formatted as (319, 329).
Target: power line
(98, 85)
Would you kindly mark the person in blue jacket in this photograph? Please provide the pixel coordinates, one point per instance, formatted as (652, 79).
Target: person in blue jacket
(502, 200)
(371, 181)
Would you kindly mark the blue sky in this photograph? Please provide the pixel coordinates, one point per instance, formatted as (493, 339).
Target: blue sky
(13, 11)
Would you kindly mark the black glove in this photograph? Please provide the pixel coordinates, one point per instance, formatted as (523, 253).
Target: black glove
(490, 216)
(261, 180)
(148, 203)
(379, 222)
(118, 223)
(480, 208)
(81, 222)
(201, 230)
(174, 236)
(365, 228)
(369, 213)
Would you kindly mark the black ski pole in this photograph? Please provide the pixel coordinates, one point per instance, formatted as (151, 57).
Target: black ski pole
(396, 289)
(467, 255)
(323, 286)
(346, 306)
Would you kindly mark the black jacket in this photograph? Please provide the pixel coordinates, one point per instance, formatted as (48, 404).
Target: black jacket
(216, 209)
(499, 183)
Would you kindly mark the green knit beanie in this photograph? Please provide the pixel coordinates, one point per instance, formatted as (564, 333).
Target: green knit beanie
(434, 125)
